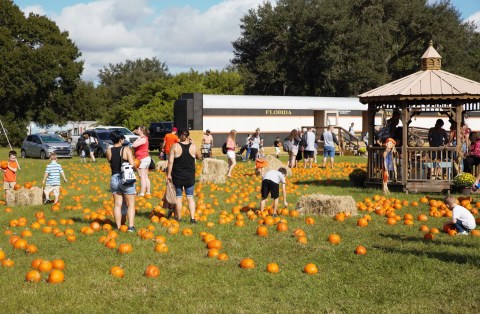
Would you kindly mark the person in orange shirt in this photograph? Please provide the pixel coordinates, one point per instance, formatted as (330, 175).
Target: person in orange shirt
(168, 141)
(10, 172)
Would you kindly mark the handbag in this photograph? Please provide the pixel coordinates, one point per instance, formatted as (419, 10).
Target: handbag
(224, 148)
(170, 193)
(152, 164)
(128, 176)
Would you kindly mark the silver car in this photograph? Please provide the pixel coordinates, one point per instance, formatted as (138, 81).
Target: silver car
(41, 145)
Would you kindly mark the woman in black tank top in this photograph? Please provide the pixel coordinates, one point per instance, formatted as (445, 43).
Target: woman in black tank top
(116, 155)
(181, 172)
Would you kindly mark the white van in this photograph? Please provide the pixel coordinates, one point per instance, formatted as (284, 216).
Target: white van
(129, 136)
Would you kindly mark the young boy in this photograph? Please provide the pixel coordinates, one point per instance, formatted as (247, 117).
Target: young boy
(277, 146)
(10, 173)
(462, 218)
(271, 185)
(52, 179)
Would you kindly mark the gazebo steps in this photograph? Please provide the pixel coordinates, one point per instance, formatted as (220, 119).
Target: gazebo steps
(429, 186)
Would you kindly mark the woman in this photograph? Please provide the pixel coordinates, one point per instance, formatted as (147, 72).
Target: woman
(141, 153)
(231, 145)
(292, 155)
(473, 157)
(116, 155)
(181, 172)
(92, 144)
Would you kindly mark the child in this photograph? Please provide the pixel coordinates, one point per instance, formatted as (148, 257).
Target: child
(277, 146)
(10, 173)
(270, 185)
(52, 179)
(462, 218)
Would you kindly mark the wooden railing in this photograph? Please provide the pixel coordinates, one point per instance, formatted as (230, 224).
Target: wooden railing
(423, 163)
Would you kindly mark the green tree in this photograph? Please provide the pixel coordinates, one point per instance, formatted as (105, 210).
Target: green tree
(38, 67)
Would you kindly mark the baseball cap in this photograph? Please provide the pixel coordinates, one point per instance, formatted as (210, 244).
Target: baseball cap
(174, 129)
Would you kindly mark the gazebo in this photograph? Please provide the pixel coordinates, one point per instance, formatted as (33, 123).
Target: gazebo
(430, 90)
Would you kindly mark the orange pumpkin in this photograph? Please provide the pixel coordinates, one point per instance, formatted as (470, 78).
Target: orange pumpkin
(2, 255)
(36, 263)
(152, 271)
(362, 222)
(247, 263)
(58, 264)
(213, 253)
(309, 221)
(56, 276)
(222, 257)
(428, 236)
(125, 248)
(310, 269)
(27, 185)
(334, 238)
(17, 187)
(33, 276)
(262, 231)
(214, 244)
(45, 266)
(282, 227)
(8, 263)
(360, 250)
(117, 271)
(4, 165)
(273, 268)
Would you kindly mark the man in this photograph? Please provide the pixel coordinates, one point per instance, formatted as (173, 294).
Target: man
(308, 153)
(330, 139)
(207, 142)
(168, 141)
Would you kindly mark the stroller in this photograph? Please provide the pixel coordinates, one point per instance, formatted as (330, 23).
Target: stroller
(206, 151)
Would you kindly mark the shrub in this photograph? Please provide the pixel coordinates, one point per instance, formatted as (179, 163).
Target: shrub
(362, 150)
(464, 180)
(358, 176)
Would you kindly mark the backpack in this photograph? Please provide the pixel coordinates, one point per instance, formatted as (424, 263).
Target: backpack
(224, 148)
(287, 145)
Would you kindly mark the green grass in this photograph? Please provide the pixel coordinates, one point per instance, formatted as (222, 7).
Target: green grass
(401, 273)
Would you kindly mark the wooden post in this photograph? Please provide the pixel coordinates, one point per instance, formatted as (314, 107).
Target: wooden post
(458, 119)
(404, 160)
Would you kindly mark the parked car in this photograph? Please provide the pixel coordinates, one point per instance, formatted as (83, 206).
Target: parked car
(158, 130)
(41, 145)
(103, 138)
(129, 136)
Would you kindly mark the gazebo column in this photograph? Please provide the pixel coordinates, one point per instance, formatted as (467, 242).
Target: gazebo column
(404, 160)
(458, 148)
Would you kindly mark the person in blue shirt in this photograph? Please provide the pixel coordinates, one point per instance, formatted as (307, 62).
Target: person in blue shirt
(51, 179)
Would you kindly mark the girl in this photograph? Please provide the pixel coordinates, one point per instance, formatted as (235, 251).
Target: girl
(231, 144)
(141, 153)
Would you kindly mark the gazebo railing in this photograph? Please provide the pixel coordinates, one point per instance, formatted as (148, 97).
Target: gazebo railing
(423, 163)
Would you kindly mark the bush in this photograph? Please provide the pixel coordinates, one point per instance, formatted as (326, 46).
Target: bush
(362, 150)
(464, 180)
(358, 176)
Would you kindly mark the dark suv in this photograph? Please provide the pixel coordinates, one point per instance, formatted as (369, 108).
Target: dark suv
(158, 130)
(103, 138)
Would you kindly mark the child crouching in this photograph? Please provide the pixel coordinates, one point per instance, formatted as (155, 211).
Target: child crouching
(271, 185)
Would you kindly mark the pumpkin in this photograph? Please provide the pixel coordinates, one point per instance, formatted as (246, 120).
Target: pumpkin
(422, 217)
(125, 248)
(161, 248)
(334, 238)
(452, 232)
(58, 264)
(152, 271)
(222, 257)
(45, 266)
(434, 231)
(247, 263)
(391, 221)
(298, 232)
(33, 276)
(282, 227)
(4, 165)
(310, 269)
(302, 239)
(262, 231)
(273, 268)
(475, 233)
(309, 221)
(213, 253)
(137, 163)
(56, 276)
(360, 250)
(424, 228)
(31, 249)
(17, 187)
(214, 244)
(448, 226)
(117, 271)
(362, 222)
(8, 263)
(429, 236)
(2, 255)
(27, 185)
(26, 233)
(71, 238)
(160, 239)
(36, 263)
(187, 232)
(20, 244)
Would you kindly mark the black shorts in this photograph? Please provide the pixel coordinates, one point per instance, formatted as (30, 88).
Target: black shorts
(308, 154)
(268, 186)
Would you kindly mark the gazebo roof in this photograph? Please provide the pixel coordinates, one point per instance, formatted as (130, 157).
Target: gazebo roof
(429, 83)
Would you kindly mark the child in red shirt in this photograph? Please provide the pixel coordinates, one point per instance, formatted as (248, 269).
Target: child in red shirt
(10, 172)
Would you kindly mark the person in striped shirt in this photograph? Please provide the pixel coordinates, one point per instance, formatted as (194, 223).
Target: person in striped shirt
(51, 179)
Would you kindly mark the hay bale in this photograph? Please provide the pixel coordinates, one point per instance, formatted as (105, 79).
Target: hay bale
(10, 198)
(273, 163)
(36, 195)
(21, 197)
(328, 205)
(214, 170)
(161, 165)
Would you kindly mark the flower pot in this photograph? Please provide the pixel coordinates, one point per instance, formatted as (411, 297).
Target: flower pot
(466, 191)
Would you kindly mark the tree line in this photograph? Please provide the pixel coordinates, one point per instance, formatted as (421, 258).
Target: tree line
(298, 48)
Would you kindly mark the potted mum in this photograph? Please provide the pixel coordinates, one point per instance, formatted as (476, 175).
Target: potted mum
(464, 182)
(358, 177)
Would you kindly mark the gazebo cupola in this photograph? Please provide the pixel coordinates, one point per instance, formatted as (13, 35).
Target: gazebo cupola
(431, 60)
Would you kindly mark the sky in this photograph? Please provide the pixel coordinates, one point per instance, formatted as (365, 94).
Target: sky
(185, 34)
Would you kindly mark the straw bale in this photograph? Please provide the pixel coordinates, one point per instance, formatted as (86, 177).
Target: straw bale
(10, 198)
(36, 195)
(273, 163)
(328, 205)
(161, 165)
(214, 170)
(21, 197)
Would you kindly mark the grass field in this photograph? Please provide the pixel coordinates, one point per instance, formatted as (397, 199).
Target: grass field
(401, 272)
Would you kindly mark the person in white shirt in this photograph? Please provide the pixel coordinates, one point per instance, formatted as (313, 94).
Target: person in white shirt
(271, 185)
(308, 153)
(462, 218)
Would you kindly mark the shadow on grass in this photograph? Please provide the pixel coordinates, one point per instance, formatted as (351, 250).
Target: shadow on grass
(442, 256)
(326, 182)
(437, 241)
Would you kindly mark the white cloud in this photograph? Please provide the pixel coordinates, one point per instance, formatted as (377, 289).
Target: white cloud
(112, 31)
(476, 19)
(35, 9)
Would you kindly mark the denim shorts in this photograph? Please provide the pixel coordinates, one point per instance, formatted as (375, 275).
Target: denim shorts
(329, 151)
(188, 190)
(117, 187)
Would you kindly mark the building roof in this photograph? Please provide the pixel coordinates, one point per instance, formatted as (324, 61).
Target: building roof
(429, 83)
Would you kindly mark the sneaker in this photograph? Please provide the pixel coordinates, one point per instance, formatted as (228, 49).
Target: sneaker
(47, 202)
(140, 194)
(274, 215)
(193, 221)
(131, 229)
(170, 213)
(463, 233)
(178, 220)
